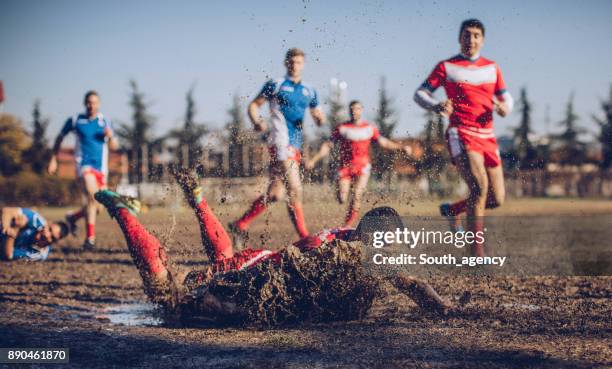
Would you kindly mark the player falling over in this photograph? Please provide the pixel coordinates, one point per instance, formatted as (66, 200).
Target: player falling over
(318, 278)
(27, 235)
(354, 138)
(475, 88)
(94, 136)
(289, 98)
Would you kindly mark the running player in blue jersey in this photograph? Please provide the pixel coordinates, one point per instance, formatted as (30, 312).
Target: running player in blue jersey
(27, 235)
(289, 97)
(94, 136)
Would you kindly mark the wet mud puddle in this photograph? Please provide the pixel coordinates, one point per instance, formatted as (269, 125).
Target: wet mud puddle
(130, 314)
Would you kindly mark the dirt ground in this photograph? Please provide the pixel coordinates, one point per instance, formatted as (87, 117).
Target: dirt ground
(515, 322)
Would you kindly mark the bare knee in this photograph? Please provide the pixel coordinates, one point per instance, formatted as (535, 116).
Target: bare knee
(276, 193)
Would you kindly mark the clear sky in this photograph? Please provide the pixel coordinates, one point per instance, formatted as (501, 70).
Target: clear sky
(56, 50)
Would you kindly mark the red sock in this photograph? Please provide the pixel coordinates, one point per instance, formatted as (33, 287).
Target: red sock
(216, 241)
(147, 252)
(91, 231)
(458, 207)
(351, 217)
(297, 217)
(477, 225)
(257, 208)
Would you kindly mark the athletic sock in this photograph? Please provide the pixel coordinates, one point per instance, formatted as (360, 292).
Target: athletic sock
(297, 217)
(91, 231)
(147, 252)
(258, 206)
(351, 217)
(216, 241)
(478, 245)
(458, 207)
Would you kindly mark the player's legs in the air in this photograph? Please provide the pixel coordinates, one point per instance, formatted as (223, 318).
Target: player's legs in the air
(146, 250)
(217, 243)
(358, 187)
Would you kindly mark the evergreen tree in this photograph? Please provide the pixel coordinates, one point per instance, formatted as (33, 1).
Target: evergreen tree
(39, 153)
(136, 137)
(605, 134)
(189, 137)
(525, 153)
(236, 137)
(386, 121)
(573, 151)
(434, 158)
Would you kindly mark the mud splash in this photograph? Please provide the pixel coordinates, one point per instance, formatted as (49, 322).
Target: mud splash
(132, 314)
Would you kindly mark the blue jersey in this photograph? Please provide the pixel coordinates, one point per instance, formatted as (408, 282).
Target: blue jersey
(91, 145)
(27, 235)
(288, 103)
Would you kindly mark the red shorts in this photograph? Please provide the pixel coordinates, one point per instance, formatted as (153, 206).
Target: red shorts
(481, 140)
(354, 170)
(100, 177)
(290, 153)
(276, 168)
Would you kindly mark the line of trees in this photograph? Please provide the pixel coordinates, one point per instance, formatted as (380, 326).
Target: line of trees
(565, 148)
(22, 149)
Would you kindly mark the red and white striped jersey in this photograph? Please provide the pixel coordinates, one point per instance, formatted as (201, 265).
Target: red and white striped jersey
(354, 141)
(471, 85)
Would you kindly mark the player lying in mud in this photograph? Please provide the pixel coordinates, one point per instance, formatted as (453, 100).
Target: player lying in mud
(319, 278)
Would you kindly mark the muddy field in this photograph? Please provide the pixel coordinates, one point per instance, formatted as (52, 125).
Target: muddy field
(92, 302)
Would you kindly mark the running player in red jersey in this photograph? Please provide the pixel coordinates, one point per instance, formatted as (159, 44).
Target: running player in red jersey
(475, 88)
(354, 138)
(289, 97)
(165, 287)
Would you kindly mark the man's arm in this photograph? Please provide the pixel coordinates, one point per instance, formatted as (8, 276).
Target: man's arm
(12, 221)
(7, 246)
(113, 143)
(323, 152)
(318, 116)
(258, 122)
(504, 104)
(57, 145)
(387, 144)
(423, 96)
(426, 101)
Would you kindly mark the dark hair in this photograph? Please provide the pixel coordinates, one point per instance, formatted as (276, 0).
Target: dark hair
(294, 51)
(354, 102)
(383, 219)
(471, 23)
(63, 229)
(90, 93)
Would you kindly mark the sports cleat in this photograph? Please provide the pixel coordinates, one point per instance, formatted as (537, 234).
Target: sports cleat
(113, 201)
(239, 236)
(89, 244)
(189, 183)
(454, 223)
(72, 226)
